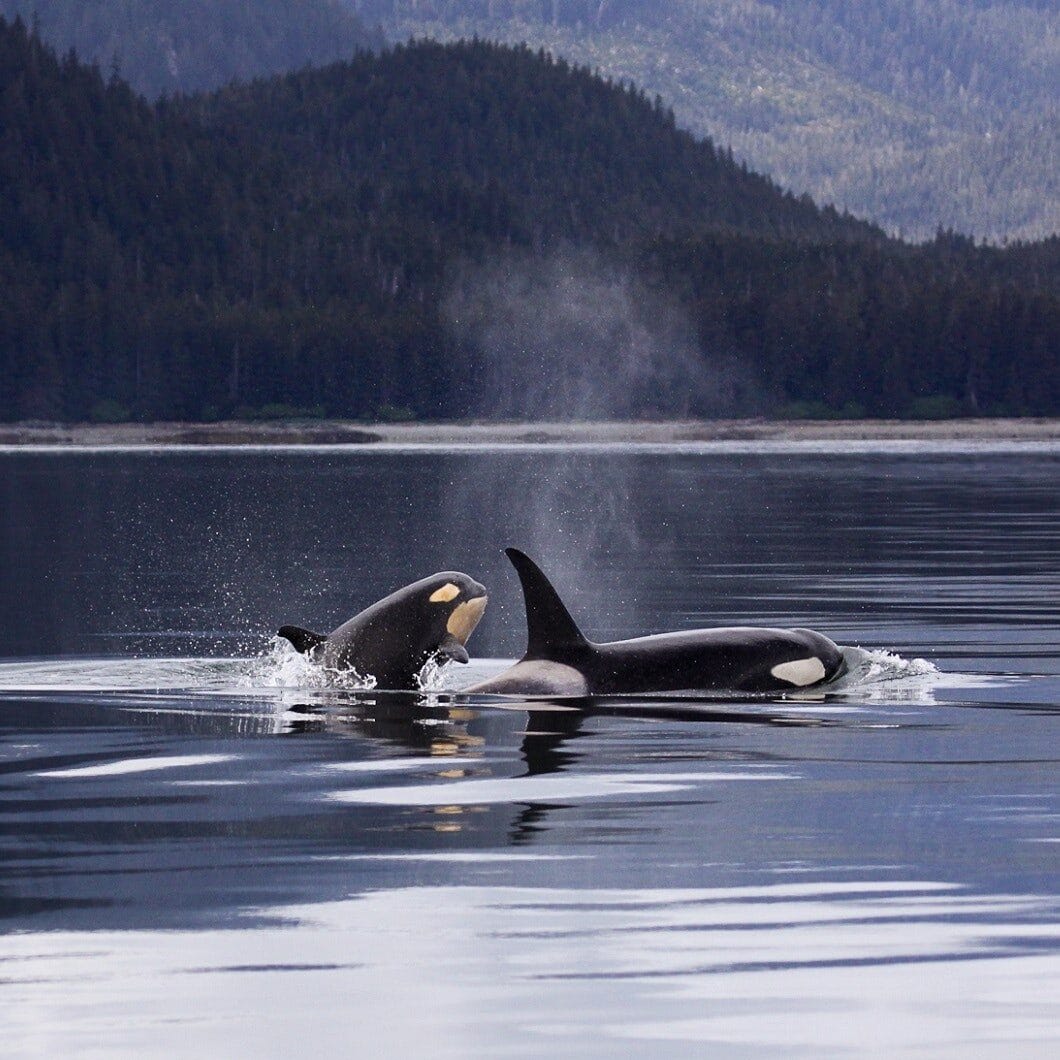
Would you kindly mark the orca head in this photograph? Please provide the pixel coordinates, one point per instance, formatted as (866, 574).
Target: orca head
(449, 605)
(432, 617)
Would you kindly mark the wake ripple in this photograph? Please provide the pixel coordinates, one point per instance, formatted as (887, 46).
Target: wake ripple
(877, 674)
(279, 670)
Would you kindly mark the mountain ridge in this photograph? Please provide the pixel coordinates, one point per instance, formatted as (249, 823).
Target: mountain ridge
(448, 231)
(916, 114)
(180, 46)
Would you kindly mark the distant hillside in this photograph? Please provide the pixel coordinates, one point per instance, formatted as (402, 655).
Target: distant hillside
(456, 230)
(184, 45)
(914, 113)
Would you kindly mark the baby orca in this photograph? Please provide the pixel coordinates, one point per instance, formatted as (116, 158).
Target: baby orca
(393, 639)
(560, 660)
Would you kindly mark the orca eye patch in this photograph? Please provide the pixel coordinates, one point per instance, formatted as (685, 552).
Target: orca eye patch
(447, 592)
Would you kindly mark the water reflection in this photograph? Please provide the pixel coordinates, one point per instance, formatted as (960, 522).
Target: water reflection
(198, 850)
(908, 966)
(155, 554)
(164, 789)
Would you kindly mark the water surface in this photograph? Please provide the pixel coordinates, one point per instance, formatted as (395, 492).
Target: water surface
(203, 849)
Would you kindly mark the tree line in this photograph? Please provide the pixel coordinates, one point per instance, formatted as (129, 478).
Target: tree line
(292, 246)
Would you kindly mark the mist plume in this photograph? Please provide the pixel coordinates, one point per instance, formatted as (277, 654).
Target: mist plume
(572, 336)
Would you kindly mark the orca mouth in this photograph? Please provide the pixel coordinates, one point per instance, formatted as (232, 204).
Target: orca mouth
(465, 617)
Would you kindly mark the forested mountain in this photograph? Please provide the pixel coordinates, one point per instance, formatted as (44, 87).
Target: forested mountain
(183, 45)
(917, 114)
(914, 113)
(447, 230)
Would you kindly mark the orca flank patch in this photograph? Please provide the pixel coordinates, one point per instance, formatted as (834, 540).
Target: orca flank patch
(801, 672)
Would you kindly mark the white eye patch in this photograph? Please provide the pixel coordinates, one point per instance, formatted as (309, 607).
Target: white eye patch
(800, 672)
(447, 592)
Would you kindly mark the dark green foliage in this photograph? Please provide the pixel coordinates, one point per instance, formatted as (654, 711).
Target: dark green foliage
(892, 329)
(292, 248)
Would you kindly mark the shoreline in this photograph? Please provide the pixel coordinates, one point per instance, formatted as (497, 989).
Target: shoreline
(609, 433)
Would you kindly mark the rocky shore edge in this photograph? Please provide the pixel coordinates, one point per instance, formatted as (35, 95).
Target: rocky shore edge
(337, 432)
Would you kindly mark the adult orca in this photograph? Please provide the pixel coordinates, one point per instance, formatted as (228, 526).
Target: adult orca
(560, 660)
(393, 639)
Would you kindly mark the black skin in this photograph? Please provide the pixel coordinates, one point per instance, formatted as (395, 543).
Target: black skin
(559, 659)
(737, 657)
(393, 639)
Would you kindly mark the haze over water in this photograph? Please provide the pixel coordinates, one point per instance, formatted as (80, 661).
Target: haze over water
(203, 850)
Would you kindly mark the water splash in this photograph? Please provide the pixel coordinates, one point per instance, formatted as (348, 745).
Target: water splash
(281, 666)
(878, 674)
(284, 667)
(881, 666)
(432, 677)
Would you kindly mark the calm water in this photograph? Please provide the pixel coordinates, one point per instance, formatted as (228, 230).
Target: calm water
(203, 851)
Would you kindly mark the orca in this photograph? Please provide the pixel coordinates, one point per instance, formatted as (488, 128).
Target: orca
(392, 640)
(561, 661)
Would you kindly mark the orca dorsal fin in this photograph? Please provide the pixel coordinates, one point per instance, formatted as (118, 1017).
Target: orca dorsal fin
(551, 633)
(304, 640)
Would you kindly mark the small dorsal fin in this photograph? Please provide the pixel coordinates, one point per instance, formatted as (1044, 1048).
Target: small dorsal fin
(304, 640)
(551, 633)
